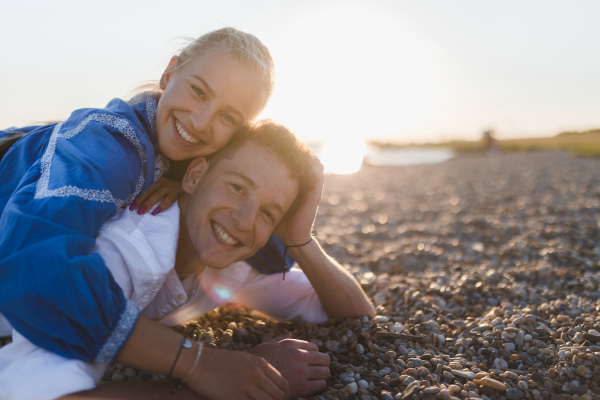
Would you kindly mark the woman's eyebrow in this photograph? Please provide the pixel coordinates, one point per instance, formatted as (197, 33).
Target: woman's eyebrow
(206, 85)
(212, 93)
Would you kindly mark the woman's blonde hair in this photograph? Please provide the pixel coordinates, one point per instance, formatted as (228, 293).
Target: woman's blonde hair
(245, 47)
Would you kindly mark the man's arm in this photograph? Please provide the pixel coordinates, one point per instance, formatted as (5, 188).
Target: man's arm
(340, 294)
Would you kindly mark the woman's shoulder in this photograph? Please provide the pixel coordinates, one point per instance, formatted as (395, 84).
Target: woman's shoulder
(130, 118)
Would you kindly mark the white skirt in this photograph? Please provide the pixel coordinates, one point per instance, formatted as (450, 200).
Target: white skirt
(28, 372)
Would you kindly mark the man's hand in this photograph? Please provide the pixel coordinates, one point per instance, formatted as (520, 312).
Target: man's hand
(298, 361)
(296, 227)
(227, 375)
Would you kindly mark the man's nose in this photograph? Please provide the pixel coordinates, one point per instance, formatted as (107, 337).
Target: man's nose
(244, 216)
(202, 120)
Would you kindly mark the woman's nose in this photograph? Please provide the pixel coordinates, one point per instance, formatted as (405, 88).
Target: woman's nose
(201, 120)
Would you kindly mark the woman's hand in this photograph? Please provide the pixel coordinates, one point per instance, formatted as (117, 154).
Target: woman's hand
(297, 224)
(165, 189)
(227, 375)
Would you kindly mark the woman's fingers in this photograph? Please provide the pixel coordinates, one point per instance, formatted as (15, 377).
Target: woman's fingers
(276, 386)
(165, 189)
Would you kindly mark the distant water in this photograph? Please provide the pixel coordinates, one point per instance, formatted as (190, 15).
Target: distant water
(407, 155)
(347, 157)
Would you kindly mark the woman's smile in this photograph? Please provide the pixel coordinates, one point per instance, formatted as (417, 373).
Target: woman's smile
(182, 132)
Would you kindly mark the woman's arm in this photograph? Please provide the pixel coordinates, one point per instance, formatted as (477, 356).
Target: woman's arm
(52, 290)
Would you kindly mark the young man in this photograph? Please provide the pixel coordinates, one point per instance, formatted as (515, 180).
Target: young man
(174, 268)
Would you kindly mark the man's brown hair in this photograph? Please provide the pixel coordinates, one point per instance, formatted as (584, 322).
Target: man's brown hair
(279, 140)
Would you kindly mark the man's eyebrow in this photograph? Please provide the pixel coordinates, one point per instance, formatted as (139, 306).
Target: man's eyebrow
(210, 91)
(251, 183)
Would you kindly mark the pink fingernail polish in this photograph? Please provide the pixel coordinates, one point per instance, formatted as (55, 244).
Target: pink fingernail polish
(156, 211)
(133, 206)
(142, 209)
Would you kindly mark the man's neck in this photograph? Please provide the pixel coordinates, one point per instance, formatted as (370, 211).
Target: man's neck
(186, 261)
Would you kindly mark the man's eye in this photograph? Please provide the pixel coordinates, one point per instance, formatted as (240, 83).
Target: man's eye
(237, 187)
(269, 215)
(198, 91)
(228, 118)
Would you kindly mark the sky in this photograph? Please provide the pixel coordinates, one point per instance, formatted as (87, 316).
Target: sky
(407, 71)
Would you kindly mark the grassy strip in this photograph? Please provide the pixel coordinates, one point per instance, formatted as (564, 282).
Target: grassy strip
(584, 144)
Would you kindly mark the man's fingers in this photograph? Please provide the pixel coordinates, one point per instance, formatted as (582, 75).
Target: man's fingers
(318, 372)
(316, 358)
(316, 385)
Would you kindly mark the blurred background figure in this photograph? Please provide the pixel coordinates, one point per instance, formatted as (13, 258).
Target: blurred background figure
(489, 143)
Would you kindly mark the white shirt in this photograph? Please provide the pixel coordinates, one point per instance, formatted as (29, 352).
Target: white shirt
(140, 252)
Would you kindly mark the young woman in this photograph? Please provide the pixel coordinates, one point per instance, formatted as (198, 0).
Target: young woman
(59, 183)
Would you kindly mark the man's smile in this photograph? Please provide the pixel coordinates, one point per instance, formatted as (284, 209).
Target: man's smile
(223, 236)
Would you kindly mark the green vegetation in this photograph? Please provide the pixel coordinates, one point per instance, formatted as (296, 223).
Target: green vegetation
(584, 144)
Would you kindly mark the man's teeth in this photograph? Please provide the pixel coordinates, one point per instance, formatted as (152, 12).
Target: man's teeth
(224, 237)
(184, 134)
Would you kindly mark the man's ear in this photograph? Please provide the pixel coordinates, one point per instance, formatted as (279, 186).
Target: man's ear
(164, 79)
(196, 170)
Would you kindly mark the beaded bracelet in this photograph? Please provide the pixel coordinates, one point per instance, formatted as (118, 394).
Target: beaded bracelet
(285, 252)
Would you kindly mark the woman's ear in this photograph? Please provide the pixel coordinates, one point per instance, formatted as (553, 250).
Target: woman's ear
(164, 79)
(196, 170)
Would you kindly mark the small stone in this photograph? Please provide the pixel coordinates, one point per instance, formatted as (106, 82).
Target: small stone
(463, 374)
(522, 385)
(332, 345)
(500, 363)
(514, 394)
(379, 298)
(527, 337)
(411, 391)
(454, 389)
(351, 388)
(118, 378)
(509, 346)
(448, 375)
(359, 349)
(385, 395)
(494, 384)
(563, 318)
(431, 390)
(363, 384)
(581, 370)
(511, 375)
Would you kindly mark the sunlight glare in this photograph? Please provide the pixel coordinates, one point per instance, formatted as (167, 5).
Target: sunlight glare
(343, 156)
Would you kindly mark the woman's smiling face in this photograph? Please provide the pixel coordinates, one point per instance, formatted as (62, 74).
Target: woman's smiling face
(204, 102)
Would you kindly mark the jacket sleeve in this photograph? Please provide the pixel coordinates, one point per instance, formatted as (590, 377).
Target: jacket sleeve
(52, 289)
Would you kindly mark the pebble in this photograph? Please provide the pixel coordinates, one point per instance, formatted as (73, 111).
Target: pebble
(514, 394)
(494, 384)
(351, 388)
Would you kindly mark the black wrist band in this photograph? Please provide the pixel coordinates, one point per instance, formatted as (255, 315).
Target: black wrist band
(285, 253)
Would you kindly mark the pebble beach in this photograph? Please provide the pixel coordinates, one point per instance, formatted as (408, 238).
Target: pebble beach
(485, 275)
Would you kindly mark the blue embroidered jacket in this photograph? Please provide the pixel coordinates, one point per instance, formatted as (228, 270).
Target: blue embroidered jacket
(58, 185)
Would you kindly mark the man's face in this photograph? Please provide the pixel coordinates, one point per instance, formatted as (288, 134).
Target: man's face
(235, 206)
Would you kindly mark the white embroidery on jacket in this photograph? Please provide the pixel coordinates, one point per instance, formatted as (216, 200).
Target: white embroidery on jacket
(122, 126)
(117, 339)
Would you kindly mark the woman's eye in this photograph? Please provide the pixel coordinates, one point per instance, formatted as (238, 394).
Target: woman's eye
(237, 187)
(198, 91)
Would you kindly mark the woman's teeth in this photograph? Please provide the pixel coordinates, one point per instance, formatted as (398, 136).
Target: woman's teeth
(184, 134)
(224, 237)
